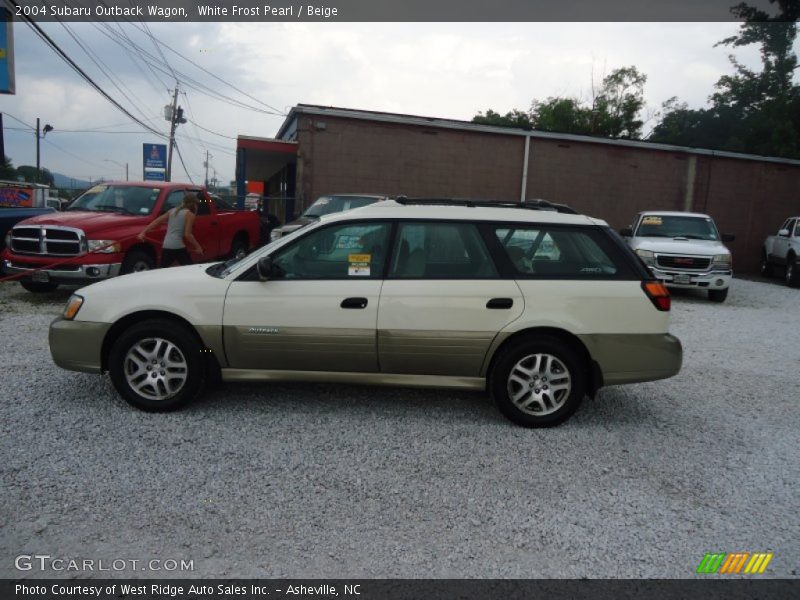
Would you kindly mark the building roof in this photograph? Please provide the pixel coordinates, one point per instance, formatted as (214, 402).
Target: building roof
(384, 117)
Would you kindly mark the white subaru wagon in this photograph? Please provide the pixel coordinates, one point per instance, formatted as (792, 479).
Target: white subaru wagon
(538, 307)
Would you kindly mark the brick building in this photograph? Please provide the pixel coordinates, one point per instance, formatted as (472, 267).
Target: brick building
(321, 150)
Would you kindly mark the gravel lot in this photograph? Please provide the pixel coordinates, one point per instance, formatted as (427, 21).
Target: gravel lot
(340, 481)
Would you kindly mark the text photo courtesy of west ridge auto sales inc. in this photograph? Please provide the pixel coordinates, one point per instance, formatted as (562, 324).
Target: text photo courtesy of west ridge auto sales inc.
(383, 300)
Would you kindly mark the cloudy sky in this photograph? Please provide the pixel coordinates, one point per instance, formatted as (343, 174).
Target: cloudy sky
(431, 69)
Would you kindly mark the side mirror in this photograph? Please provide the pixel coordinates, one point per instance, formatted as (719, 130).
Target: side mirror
(626, 232)
(728, 237)
(264, 268)
(783, 233)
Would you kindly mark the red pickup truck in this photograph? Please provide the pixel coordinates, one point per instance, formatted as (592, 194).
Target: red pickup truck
(95, 237)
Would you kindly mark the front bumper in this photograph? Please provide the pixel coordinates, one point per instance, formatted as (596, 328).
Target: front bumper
(67, 273)
(713, 280)
(77, 345)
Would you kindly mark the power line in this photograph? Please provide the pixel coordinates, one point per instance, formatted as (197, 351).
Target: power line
(183, 164)
(57, 49)
(214, 132)
(18, 121)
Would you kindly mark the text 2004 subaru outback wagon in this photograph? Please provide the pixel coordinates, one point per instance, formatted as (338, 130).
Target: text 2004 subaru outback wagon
(539, 307)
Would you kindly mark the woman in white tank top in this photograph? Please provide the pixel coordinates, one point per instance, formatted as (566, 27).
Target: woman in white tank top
(180, 221)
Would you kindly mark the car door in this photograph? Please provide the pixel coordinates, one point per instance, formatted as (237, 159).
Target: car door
(443, 302)
(207, 230)
(780, 247)
(319, 310)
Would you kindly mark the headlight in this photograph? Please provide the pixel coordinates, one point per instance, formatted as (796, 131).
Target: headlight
(103, 246)
(274, 235)
(722, 260)
(647, 256)
(73, 306)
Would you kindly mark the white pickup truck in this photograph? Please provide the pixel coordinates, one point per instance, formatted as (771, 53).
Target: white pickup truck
(683, 250)
(783, 249)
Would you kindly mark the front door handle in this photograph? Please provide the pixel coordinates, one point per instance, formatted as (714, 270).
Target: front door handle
(500, 303)
(354, 303)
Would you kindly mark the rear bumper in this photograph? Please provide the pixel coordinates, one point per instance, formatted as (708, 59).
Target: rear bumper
(78, 274)
(77, 345)
(713, 280)
(632, 358)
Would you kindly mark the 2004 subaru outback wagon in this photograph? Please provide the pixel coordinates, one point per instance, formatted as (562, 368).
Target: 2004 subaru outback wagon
(539, 307)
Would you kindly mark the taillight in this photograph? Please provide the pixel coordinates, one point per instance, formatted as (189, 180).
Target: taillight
(658, 294)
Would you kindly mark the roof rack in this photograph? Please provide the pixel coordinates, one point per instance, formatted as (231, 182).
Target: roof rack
(529, 204)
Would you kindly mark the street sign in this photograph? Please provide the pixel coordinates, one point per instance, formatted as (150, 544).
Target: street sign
(155, 156)
(153, 175)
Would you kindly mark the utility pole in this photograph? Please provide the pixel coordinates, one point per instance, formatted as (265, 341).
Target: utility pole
(38, 168)
(205, 164)
(175, 119)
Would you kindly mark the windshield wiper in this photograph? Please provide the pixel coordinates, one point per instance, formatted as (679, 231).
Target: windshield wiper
(690, 236)
(113, 208)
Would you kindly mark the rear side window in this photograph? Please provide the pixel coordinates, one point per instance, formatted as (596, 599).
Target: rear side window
(564, 253)
(440, 250)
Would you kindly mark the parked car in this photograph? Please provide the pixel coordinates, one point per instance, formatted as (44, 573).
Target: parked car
(325, 205)
(95, 238)
(20, 201)
(783, 250)
(683, 250)
(398, 294)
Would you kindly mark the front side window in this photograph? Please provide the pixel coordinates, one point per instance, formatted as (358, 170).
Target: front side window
(345, 251)
(173, 200)
(436, 250)
(546, 251)
(672, 226)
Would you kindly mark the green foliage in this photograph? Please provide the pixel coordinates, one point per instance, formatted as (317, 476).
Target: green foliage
(7, 170)
(753, 112)
(612, 113)
(30, 175)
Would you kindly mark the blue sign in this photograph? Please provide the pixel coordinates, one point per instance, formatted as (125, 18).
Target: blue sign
(155, 156)
(6, 53)
(153, 175)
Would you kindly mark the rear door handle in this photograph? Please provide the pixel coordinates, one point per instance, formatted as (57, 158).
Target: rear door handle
(354, 303)
(500, 303)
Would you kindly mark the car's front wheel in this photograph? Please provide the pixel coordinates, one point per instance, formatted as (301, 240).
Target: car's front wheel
(766, 266)
(539, 381)
(157, 365)
(792, 271)
(718, 295)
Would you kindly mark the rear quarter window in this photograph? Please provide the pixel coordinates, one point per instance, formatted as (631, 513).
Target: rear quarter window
(561, 252)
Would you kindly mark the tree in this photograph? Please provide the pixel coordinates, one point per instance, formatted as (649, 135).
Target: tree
(613, 112)
(30, 174)
(7, 170)
(755, 112)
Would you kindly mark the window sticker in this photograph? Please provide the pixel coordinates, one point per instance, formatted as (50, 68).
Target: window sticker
(652, 220)
(348, 242)
(358, 265)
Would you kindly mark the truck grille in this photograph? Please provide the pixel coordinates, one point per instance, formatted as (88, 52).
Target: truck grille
(689, 263)
(46, 240)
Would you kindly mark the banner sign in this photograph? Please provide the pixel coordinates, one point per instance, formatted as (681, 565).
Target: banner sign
(16, 196)
(155, 156)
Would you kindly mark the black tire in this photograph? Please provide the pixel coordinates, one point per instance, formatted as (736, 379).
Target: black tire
(39, 287)
(238, 247)
(146, 333)
(792, 275)
(561, 406)
(718, 295)
(136, 261)
(766, 266)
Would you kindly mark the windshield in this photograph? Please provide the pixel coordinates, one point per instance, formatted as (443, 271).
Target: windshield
(673, 226)
(122, 199)
(326, 205)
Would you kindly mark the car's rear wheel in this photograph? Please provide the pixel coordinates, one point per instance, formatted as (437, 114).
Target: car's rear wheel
(766, 266)
(792, 272)
(39, 287)
(718, 295)
(157, 365)
(538, 381)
